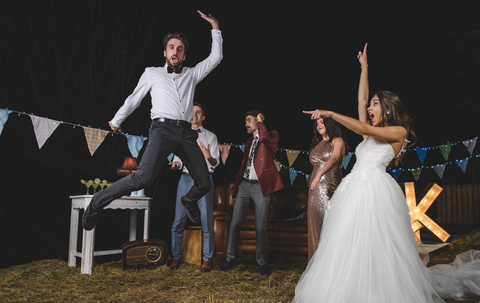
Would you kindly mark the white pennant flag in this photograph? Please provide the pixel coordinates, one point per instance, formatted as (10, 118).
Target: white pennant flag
(439, 169)
(470, 145)
(43, 128)
(135, 144)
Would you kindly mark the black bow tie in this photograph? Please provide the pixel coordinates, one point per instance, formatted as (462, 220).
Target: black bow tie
(176, 71)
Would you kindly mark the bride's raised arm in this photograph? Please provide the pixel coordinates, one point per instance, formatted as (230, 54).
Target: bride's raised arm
(363, 87)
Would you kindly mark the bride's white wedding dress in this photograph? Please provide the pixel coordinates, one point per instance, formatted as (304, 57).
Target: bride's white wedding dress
(367, 251)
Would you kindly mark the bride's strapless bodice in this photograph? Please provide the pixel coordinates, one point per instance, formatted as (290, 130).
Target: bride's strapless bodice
(373, 153)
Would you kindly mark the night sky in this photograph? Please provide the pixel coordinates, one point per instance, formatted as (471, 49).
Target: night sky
(77, 61)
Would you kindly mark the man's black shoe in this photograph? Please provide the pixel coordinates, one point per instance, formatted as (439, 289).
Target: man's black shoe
(90, 218)
(192, 211)
(225, 265)
(264, 270)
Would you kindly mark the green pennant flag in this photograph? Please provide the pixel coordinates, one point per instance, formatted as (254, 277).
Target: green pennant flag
(445, 148)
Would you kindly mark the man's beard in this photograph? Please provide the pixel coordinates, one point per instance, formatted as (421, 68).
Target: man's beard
(174, 65)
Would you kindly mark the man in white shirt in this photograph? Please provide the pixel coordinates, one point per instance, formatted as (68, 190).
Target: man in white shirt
(172, 89)
(208, 143)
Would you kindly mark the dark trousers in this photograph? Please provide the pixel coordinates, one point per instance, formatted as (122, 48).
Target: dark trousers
(163, 139)
(240, 211)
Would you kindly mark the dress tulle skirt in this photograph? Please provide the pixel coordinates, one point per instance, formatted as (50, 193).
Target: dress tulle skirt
(368, 253)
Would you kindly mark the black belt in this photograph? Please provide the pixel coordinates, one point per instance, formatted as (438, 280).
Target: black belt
(250, 181)
(179, 123)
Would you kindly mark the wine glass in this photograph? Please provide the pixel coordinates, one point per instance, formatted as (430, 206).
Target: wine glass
(103, 184)
(95, 184)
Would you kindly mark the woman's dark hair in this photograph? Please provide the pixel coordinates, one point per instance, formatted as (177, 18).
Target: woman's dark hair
(178, 35)
(395, 114)
(333, 129)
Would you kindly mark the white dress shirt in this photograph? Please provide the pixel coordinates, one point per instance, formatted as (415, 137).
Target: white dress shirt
(253, 173)
(172, 94)
(207, 138)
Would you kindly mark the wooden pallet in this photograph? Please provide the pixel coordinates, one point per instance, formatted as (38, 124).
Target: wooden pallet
(459, 204)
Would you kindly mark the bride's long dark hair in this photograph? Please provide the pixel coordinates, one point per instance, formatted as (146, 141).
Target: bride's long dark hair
(333, 129)
(395, 114)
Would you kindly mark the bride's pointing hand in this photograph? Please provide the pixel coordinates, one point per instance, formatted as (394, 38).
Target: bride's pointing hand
(317, 114)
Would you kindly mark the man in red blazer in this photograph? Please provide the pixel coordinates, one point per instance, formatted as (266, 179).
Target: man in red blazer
(257, 179)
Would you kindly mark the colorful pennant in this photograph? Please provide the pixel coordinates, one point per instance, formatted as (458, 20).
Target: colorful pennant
(416, 173)
(346, 160)
(3, 117)
(94, 138)
(421, 153)
(445, 149)
(225, 151)
(470, 145)
(439, 169)
(293, 175)
(135, 144)
(292, 156)
(396, 173)
(43, 129)
(462, 164)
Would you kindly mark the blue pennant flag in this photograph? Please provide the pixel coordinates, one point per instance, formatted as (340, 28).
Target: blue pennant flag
(170, 157)
(3, 117)
(421, 153)
(242, 147)
(135, 144)
(347, 160)
(396, 173)
(462, 164)
(293, 175)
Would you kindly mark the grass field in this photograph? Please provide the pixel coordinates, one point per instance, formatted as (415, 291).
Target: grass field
(53, 281)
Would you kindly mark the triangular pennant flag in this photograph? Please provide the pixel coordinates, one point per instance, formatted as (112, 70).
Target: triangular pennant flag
(346, 160)
(224, 150)
(292, 156)
(421, 153)
(43, 128)
(293, 175)
(94, 138)
(462, 164)
(135, 144)
(469, 144)
(3, 117)
(396, 173)
(242, 147)
(446, 148)
(277, 165)
(416, 173)
(439, 169)
(170, 157)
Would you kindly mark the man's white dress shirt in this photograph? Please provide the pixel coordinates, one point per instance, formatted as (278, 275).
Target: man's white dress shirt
(172, 94)
(207, 138)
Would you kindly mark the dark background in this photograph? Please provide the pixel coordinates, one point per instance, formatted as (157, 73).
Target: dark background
(77, 61)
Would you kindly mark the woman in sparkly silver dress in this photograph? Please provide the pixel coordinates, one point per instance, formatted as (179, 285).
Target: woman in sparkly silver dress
(326, 156)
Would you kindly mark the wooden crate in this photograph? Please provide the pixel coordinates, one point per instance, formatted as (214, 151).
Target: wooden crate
(459, 204)
(192, 245)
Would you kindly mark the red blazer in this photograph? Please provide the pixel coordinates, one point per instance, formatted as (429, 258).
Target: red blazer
(267, 173)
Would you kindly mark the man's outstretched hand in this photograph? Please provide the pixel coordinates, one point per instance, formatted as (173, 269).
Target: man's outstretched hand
(210, 19)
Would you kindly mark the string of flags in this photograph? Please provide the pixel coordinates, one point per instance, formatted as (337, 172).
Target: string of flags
(44, 128)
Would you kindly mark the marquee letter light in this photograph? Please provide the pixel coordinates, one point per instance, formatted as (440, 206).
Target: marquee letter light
(417, 212)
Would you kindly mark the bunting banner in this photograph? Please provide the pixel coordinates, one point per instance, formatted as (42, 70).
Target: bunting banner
(225, 151)
(421, 153)
(462, 164)
(3, 117)
(469, 144)
(94, 138)
(170, 157)
(292, 156)
(416, 173)
(277, 165)
(346, 160)
(445, 149)
(43, 128)
(396, 173)
(135, 144)
(242, 147)
(293, 175)
(439, 169)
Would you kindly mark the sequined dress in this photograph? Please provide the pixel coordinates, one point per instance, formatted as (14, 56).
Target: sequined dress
(319, 197)
(368, 252)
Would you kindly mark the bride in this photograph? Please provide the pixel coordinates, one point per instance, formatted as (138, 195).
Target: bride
(367, 251)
